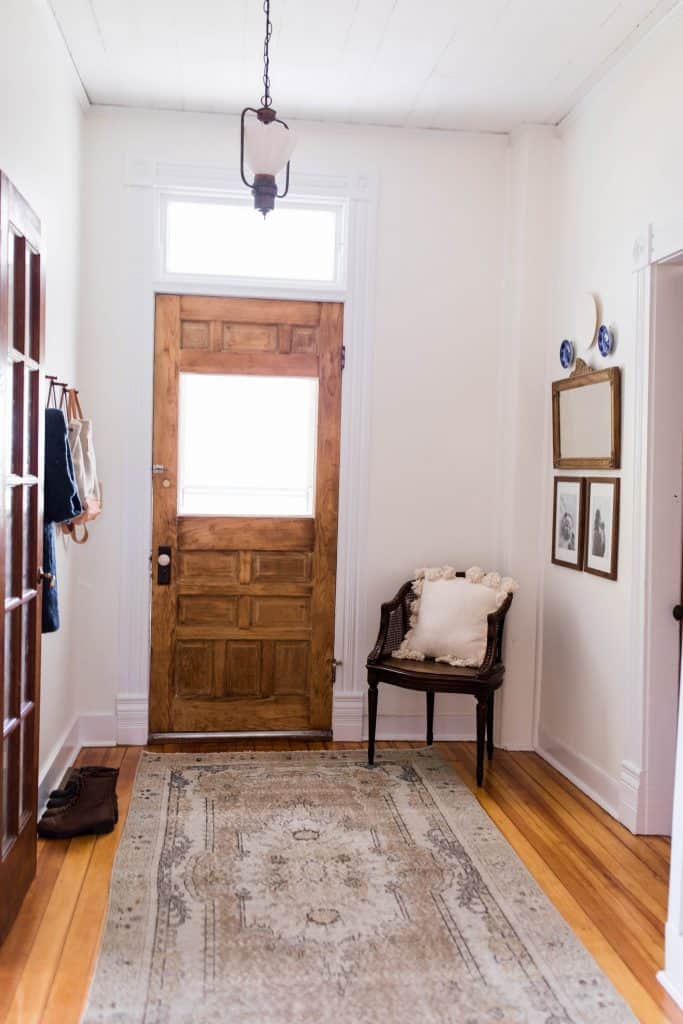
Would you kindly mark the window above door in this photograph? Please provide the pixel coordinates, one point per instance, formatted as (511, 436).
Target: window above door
(221, 238)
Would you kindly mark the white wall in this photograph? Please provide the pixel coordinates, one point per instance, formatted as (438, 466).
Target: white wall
(620, 162)
(434, 455)
(41, 112)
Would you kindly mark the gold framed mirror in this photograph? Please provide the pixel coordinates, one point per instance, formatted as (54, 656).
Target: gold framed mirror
(587, 419)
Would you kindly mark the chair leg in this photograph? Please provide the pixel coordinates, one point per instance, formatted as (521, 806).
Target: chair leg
(430, 718)
(481, 733)
(489, 729)
(372, 720)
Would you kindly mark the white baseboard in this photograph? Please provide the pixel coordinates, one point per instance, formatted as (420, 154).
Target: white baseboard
(132, 720)
(670, 986)
(347, 716)
(129, 727)
(630, 780)
(90, 730)
(61, 757)
(414, 727)
(350, 723)
(590, 779)
(671, 978)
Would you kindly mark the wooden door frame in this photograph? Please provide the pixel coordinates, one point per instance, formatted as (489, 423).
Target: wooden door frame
(147, 181)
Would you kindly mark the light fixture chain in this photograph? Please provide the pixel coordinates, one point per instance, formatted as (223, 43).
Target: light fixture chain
(266, 98)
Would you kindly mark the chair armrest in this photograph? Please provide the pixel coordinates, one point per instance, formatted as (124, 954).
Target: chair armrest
(494, 638)
(388, 612)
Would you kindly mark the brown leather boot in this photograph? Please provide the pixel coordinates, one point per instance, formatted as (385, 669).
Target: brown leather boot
(61, 797)
(91, 811)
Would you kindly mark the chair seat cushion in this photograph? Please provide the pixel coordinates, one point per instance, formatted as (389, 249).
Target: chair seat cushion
(449, 620)
(430, 670)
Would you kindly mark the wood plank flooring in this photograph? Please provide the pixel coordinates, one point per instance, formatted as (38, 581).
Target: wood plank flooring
(609, 885)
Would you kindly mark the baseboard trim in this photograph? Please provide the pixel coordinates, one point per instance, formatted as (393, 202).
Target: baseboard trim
(414, 727)
(350, 723)
(671, 978)
(347, 717)
(630, 780)
(132, 720)
(61, 757)
(587, 776)
(670, 987)
(92, 730)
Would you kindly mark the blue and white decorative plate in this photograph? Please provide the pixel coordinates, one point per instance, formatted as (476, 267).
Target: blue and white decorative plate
(566, 354)
(605, 340)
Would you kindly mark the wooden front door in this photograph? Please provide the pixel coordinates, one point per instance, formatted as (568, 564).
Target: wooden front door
(21, 348)
(247, 401)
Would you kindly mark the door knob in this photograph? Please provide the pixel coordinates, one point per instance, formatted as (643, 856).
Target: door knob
(678, 612)
(164, 565)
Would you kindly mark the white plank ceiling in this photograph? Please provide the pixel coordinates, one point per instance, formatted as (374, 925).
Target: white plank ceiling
(486, 65)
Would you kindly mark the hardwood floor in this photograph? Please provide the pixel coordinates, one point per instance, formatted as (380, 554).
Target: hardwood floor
(609, 885)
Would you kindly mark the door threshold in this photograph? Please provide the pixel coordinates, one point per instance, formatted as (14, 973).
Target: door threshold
(291, 734)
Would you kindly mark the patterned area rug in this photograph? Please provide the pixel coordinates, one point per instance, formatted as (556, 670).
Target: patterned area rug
(306, 888)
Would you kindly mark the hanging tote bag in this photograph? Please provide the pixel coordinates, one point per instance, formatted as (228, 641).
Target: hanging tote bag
(62, 501)
(62, 497)
(85, 468)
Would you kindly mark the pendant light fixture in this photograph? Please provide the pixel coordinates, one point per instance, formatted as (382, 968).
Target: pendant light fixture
(266, 143)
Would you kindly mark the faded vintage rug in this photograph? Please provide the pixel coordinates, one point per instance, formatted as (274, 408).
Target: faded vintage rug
(306, 888)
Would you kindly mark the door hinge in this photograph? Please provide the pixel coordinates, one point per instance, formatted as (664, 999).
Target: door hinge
(335, 663)
(342, 357)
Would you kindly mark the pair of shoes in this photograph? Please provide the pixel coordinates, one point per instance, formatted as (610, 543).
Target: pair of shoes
(86, 804)
(61, 797)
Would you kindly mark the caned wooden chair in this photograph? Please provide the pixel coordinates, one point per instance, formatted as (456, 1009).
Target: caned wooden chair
(433, 677)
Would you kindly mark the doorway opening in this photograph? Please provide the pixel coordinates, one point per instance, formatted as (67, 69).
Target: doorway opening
(664, 583)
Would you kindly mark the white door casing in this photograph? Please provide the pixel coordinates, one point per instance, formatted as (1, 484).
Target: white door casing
(146, 182)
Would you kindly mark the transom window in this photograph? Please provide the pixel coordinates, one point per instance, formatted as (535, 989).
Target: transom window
(224, 237)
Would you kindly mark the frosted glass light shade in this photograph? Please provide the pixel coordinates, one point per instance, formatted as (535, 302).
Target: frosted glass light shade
(267, 147)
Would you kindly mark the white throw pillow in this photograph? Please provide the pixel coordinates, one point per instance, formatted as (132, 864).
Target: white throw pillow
(450, 616)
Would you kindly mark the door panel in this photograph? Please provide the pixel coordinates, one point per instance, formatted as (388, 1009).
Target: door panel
(21, 347)
(243, 632)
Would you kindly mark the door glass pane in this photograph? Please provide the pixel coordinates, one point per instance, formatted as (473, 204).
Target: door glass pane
(29, 532)
(35, 306)
(7, 670)
(229, 239)
(17, 442)
(33, 411)
(4, 796)
(247, 445)
(28, 652)
(13, 542)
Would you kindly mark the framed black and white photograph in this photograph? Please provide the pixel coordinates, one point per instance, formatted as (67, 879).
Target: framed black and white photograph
(568, 522)
(602, 527)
